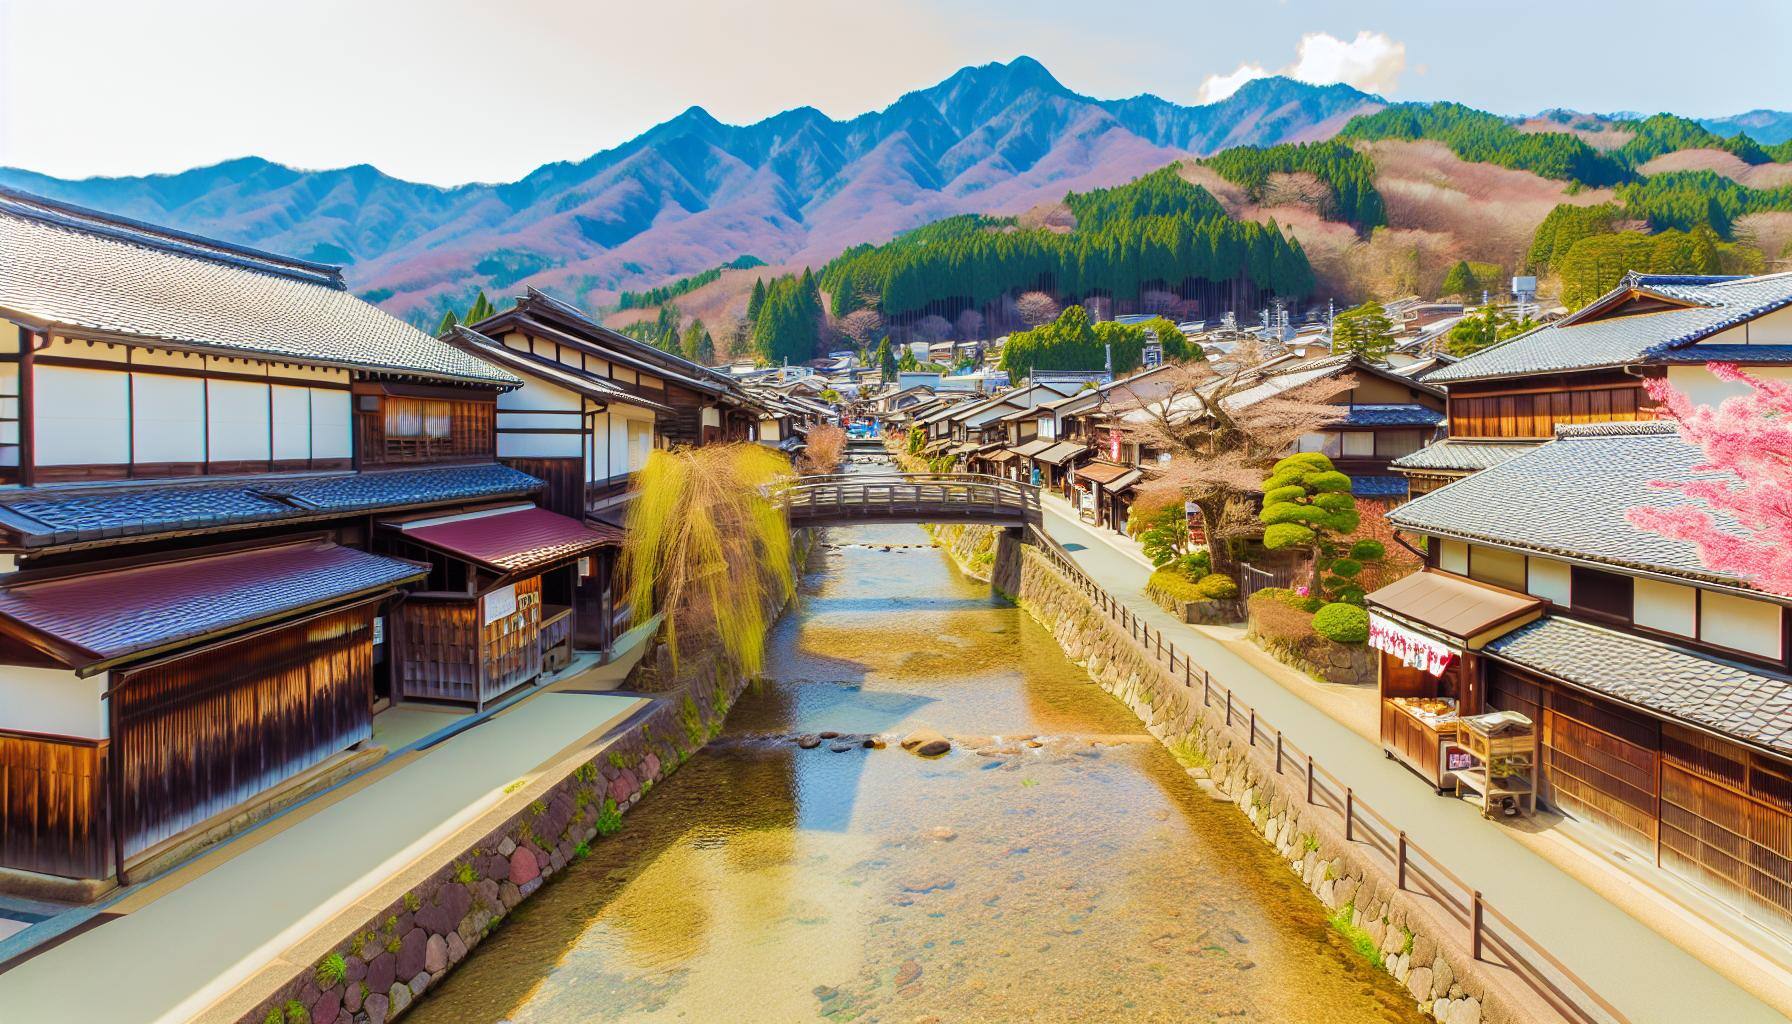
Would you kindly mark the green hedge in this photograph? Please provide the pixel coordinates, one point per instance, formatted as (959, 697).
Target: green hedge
(1342, 623)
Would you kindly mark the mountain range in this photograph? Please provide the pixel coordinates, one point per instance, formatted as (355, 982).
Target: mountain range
(797, 188)
(693, 193)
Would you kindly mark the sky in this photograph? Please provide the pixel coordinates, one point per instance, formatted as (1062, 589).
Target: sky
(451, 91)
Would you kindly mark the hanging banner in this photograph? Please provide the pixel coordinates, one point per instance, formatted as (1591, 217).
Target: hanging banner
(1414, 650)
(500, 603)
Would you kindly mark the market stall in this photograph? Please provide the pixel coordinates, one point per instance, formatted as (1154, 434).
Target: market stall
(1428, 629)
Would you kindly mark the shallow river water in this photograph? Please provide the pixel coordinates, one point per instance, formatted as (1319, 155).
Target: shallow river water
(1085, 879)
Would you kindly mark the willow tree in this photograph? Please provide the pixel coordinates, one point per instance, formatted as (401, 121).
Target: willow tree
(709, 547)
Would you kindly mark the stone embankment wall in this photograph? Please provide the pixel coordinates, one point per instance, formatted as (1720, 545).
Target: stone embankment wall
(1422, 950)
(987, 553)
(374, 975)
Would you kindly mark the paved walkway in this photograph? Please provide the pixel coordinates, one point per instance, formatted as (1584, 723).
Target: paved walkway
(1648, 978)
(187, 939)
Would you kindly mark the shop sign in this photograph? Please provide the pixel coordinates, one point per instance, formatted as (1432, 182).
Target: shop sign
(1412, 649)
(500, 603)
(1113, 445)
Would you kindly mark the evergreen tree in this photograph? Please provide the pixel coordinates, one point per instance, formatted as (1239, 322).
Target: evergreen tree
(756, 301)
(448, 324)
(697, 345)
(1482, 328)
(789, 321)
(1460, 280)
(886, 361)
(1364, 331)
(481, 308)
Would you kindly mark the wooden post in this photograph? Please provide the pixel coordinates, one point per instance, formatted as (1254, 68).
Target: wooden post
(1253, 727)
(1228, 709)
(1278, 751)
(1309, 778)
(1475, 927)
(1349, 814)
(1400, 862)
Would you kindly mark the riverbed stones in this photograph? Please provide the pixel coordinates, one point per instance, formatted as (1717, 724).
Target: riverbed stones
(828, 734)
(933, 748)
(918, 737)
(808, 741)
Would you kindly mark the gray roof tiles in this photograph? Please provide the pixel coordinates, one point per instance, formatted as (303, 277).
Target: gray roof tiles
(1401, 415)
(54, 516)
(1571, 497)
(1462, 456)
(1661, 678)
(1663, 336)
(78, 269)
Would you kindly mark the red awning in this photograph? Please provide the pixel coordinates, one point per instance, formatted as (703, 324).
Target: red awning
(100, 618)
(516, 540)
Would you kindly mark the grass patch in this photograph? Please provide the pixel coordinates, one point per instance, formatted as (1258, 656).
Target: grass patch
(1359, 940)
(331, 970)
(1187, 751)
(609, 820)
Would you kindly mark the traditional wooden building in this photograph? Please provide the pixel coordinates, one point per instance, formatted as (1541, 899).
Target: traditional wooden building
(1660, 689)
(210, 446)
(1590, 367)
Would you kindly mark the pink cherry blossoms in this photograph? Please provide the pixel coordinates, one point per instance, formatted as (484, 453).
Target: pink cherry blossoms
(1749, 437)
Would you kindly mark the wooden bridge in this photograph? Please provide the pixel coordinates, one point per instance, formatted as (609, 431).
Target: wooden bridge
(843, 499)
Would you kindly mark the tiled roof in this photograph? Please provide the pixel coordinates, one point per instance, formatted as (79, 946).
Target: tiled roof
(1571, 496)
(1463, 456)
(1033, 447)
(1375, 486)
(517, 540)
(78, 269)
(1663, 336)
(102, 617)
(53, 516)
(590, 385)
(1062, 452)
(1405, 415)
(1661, 678)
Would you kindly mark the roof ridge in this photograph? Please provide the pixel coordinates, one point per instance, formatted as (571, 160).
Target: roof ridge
(1617, 428)
(130, 231)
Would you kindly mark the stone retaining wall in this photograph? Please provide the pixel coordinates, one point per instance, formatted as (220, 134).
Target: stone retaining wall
(1423, 950)
(1317, 656)
(396, 956)
(991, 554)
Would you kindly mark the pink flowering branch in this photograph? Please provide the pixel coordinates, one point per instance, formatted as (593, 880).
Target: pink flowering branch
(1747, 441)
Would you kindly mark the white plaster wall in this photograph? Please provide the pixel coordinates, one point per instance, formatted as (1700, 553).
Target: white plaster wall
(640, 442)
(539, 394)
(330, 425)
(1773, 329)
(1453, 557)
(539, 446)
(168, 413)
(237, 419)
(1740, 624)
(52, 700)
(1668, 607)
(80, 416)
(1549, 579)
(1699, 385)
(768, 431)
(292, 422)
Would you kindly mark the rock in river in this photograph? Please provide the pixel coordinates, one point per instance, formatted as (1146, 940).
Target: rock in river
(808, 741)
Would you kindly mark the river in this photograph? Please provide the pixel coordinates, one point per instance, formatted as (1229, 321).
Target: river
(1083, 879)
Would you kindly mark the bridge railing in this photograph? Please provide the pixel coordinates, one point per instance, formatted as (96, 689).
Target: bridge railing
(885, 495)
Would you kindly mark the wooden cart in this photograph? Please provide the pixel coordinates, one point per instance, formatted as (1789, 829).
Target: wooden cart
(1504, 748)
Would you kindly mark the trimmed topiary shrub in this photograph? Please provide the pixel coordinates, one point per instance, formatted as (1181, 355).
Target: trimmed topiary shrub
(1217, 587)
(1174, 585)
(1342, 623)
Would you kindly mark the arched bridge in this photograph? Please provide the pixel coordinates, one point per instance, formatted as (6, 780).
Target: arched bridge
(842, 499)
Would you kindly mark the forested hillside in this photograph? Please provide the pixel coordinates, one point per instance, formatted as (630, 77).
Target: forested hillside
(1159, 233)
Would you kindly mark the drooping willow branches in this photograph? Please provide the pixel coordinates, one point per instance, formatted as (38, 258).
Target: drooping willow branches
(709, 547)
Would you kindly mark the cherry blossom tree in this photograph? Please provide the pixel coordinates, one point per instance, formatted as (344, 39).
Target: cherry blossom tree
(1748, 438)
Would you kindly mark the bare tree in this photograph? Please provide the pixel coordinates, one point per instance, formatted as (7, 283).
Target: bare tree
(931, 328)
(1222, 432)
(1035, 308)
(863, 326)
(970, 325)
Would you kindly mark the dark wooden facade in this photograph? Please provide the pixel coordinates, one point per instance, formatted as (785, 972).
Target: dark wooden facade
(452, 425)
(53, 807)
(204, 732)
(447, 652)
(1702, 807)
(1534, 407)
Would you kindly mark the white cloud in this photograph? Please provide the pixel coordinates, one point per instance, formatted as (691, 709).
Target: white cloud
(1372, 61)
